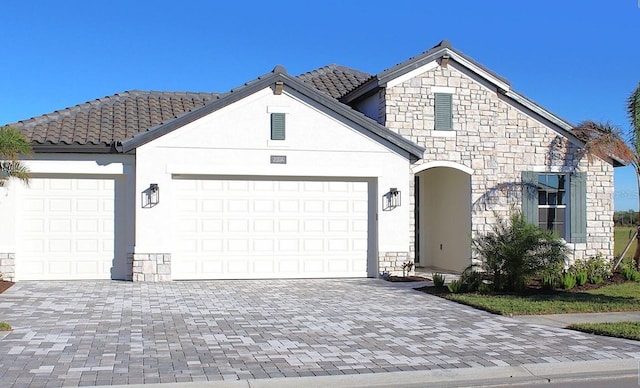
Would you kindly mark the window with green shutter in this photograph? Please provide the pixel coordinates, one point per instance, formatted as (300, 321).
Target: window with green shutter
(556, 202)
(277, 126)
(443, 111)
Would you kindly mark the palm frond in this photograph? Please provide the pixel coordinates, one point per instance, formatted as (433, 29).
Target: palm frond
(633, 109)
(605, 141)
(13, 143)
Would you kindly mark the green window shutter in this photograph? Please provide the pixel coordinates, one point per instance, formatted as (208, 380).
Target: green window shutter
(578, 210)
(443, 111)
(530, 196)
(277, 126)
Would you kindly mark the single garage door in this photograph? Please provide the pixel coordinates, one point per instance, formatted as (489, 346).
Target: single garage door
(250, 229)
(66, 229)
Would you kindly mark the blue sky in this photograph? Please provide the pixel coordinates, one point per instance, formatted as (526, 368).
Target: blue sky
(579, 59)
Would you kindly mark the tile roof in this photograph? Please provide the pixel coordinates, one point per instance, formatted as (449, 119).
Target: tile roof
(112, 118)
(335, 80)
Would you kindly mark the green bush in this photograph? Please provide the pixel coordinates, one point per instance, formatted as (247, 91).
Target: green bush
(471, 279)
(484, 288)
(515, 250)
(581, 277)
(455, 286)
(4, 326)
(568, 281)
(549, 281)
(628, 270)
(598, 269)
(438, 280)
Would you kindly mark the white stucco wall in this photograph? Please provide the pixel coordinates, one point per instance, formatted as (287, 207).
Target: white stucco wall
(234, 141)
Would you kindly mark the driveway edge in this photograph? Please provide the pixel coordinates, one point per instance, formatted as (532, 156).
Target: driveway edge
(443, 377)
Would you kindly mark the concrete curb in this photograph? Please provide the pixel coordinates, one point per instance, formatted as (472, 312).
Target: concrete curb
(442, 377)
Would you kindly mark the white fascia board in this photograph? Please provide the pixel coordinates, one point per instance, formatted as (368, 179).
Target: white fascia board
(73, 167)
(489, 77)
(413, 73)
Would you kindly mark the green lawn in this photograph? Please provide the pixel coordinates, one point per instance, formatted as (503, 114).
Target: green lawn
(622, 234)
(618, 297)
(629, 330)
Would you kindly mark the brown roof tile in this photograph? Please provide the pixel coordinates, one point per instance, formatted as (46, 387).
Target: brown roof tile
(111, 118)
(334, 80)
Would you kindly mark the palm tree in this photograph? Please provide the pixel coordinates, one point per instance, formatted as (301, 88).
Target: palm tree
(13, 144)
(633, 109)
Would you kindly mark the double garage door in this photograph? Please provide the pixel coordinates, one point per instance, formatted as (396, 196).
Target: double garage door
(65, 229)
(257, 228)
(223, 228)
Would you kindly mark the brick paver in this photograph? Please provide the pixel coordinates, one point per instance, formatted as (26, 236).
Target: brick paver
(109, 332)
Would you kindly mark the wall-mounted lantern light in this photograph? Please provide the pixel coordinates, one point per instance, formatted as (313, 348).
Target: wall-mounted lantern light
(392, 199)
(151, 196)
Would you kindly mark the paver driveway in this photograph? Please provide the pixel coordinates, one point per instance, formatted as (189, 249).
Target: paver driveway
(108, 332)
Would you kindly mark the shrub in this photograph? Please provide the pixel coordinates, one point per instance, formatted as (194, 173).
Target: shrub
(455, 286)
(484, 288)
(438, 280)
(581, 277)
(516, 250)
(406, 268)
(471, 279)
(4, 326)
(598, 269)
(548, 281)
(629, 271)
(568, 281)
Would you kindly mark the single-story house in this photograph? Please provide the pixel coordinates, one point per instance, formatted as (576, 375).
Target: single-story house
(332, 173)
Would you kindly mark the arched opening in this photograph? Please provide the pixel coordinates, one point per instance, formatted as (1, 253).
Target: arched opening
(443, 218)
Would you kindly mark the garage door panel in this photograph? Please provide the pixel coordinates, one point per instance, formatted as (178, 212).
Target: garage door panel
(270, 229)
(66, 229)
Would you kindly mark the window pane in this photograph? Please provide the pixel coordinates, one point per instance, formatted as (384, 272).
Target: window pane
(561, 181)
(552, 198)
(552, 181)
(542, 197)
(561, 198)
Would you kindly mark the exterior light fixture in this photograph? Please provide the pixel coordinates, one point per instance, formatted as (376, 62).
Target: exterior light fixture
(392, 199)
(151, 196)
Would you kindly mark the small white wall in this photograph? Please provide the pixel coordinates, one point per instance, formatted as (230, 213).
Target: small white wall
(235, 141)
(445, 218)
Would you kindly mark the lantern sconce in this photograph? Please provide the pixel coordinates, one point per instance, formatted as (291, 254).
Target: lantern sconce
(392, 199)
(151, 196)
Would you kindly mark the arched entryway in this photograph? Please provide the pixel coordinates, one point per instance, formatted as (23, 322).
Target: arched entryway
(443, 216)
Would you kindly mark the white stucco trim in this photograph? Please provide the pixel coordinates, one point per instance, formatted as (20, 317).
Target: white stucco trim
(412, 74)
(443, 133)
(563, 169)
(443, 89)
(278, 109)
(442, 163)
(74, 167)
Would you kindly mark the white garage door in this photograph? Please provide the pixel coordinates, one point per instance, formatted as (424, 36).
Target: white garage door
(244, 229)
(66, 229)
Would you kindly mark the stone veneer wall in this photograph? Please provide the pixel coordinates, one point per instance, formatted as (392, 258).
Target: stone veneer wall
(8, 266)
(392, 262)
(150, 267)
(498, 141)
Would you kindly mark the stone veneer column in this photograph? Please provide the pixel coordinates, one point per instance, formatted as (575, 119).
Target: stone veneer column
(150, 267)
(392, 262)
(8, 266)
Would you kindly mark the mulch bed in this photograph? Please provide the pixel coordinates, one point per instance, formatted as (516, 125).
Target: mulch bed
(4, 285)
(410, 278)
